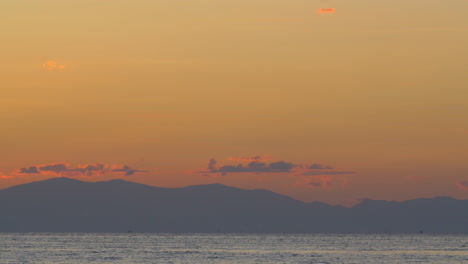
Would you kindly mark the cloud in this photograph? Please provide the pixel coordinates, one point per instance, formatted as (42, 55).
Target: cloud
(463, 185)
(324, 182)
(211, 164)
(317, 166)
(281, 166)
(30, 170)
(316, 175)
(326, 172)
(127, 170)
(323, 178)
(90, 169)
(326, 11)
(317, 182)
(56, 168)
(252, 167)
(81, 171)
(254, 158)
(53, 65)
(61, 168)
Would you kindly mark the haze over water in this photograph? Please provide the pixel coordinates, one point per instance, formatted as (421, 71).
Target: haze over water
(134, 248)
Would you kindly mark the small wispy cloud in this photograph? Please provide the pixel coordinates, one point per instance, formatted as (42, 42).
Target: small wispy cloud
(211, 165)
(324, 182)
(326, 11)
(253, 158)
(53, 65)
(317, 182)
(317, 166)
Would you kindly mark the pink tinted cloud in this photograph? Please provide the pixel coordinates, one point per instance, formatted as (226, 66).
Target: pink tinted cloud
(462, 185)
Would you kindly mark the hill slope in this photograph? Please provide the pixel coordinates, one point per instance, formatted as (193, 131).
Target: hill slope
(68, 205)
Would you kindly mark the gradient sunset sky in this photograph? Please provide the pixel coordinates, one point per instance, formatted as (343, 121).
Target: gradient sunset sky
(320, 100)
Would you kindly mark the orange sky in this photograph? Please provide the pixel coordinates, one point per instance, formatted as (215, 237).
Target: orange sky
(377, 89)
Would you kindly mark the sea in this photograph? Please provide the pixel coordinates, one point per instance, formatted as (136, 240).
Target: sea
(126, 248)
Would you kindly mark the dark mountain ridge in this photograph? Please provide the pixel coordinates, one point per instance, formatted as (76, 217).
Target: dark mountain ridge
(70, 205)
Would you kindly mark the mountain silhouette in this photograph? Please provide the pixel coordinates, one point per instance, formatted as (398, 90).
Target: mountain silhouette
(70, 205)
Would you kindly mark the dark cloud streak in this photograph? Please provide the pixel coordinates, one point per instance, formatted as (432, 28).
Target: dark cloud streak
(325, 172)
(87, 170)
(252, 167)
(30, 170)
(127, 170)
(317, 166)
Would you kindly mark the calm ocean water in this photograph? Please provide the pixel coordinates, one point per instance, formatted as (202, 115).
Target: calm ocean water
(231, 248)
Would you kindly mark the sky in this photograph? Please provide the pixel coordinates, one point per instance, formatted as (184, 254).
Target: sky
(320, 100)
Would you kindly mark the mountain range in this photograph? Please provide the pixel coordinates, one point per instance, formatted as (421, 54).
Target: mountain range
(70, 205)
